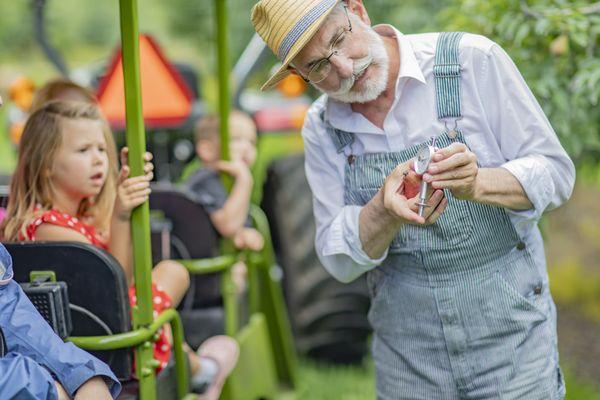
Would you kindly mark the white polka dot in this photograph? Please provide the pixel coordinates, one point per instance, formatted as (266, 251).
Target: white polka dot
(66, 215)
(38, 222)
(164, 348)
(157, 300)
(155, 313)
(82, 230)
(70, 223)
(134, 299)
(74, 220)
(52, 218)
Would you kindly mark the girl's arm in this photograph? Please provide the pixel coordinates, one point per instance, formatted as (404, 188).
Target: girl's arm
(231, 218)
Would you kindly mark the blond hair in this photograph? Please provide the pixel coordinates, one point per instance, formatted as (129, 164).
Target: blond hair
(207, 127)
(52, 90)
(31, 191)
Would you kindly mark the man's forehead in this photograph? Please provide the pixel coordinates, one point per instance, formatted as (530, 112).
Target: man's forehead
(320, 41)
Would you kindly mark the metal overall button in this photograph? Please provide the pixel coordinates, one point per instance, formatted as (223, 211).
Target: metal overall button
(521, 245)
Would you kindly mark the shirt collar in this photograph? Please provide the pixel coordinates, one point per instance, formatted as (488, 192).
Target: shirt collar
(340, 114)
(6, 271)
(409, 66)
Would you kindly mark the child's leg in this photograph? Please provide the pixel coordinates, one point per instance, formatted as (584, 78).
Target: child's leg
(173, 278)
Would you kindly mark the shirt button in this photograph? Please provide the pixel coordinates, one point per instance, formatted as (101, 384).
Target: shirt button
(351, 159)
(537, 290)
(521, 246)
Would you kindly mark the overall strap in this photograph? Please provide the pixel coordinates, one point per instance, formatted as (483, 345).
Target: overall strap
(341, 139)
(446, 73)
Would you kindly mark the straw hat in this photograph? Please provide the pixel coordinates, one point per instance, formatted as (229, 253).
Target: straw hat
(287, 26)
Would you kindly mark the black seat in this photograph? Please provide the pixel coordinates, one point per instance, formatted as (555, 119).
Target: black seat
(192, 236)
(97, 283)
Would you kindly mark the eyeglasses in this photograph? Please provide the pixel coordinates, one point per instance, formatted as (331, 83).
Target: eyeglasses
(322, 68)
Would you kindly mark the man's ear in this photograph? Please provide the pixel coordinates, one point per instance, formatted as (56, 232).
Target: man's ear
(357, 8)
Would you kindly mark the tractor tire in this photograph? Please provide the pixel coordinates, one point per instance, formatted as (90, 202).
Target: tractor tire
(329, 318)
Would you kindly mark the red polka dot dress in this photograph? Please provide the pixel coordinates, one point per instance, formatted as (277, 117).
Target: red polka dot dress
(160, 299)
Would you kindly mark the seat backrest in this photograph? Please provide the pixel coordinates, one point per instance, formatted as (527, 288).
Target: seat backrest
(95, 282)
(192, 236)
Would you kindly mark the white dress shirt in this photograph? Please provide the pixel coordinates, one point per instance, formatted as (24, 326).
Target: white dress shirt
(502, 123)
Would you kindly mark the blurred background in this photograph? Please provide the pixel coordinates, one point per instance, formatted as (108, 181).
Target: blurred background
(555, 44)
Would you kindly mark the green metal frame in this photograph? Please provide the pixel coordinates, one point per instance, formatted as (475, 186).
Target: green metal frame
(266, 339)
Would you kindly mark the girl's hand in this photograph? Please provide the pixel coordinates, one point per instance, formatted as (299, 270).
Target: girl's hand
(248, 238)
(148, 166)
(236, 168)
(132, 192)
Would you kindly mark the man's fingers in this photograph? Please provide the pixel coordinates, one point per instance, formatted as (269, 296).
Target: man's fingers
(458, 173)
(446, 152)
(437, 212)
(450, 184)
(450, 163)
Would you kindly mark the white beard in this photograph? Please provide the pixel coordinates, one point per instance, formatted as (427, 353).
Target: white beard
(374, 85)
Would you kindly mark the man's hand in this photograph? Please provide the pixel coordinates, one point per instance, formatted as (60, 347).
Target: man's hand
(401, 194)
(382, 217)
(454, 168)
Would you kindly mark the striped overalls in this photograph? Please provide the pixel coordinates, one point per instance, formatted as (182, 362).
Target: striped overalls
(459, 308)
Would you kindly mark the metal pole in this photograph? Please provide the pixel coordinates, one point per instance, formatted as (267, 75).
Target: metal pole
(223, 69)
(140, 218)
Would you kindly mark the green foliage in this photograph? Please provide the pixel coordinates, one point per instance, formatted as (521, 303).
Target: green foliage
(555, 44)
(572, 285)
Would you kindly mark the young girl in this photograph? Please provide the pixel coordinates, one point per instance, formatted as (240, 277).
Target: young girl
(66, 187)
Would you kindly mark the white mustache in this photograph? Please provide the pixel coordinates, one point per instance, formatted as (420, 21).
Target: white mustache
(357, 70)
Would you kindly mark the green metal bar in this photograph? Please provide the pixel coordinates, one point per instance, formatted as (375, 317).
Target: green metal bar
(209, 265)
(223, 70)
(126, 339)
(180, 366)
(140, 219)
(273, 303)
(144, 337)
(230, 304)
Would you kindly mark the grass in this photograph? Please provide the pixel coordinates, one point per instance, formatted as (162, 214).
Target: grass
(327, 382)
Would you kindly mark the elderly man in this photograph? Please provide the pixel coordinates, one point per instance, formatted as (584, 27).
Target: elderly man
(34, 362)
(460, 300)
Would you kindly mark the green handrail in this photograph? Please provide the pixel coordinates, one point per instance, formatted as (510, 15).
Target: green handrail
(223, 65)
(209, 265)
(143, 337)
(140, 219)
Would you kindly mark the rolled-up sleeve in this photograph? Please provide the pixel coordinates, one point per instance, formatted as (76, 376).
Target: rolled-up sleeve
(526, 139)
(337, 242)
(29, 335)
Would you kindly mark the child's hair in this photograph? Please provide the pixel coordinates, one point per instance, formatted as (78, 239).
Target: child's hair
(207, 127)
(52, 90)
(31, 188)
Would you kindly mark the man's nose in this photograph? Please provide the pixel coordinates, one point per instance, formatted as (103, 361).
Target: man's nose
(343, 65)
